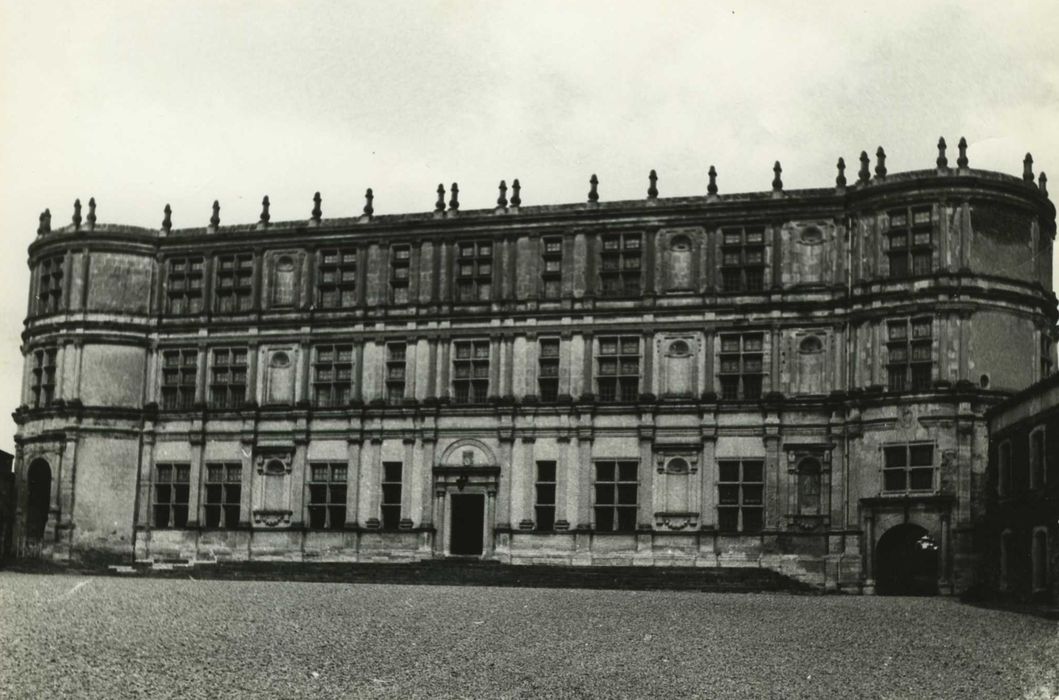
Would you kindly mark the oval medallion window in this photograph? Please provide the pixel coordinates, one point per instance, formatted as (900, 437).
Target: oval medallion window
(811, 344)
(812, 235)
(280, 360)
(679, 348)
(275, 467)
(677, 465)
(680, 243)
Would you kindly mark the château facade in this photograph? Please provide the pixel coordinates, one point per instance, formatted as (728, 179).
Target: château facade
(789, 379)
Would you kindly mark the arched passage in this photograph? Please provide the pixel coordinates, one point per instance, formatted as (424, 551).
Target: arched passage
(906, 562)
(38, 500)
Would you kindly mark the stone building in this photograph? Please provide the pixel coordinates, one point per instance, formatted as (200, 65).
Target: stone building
(788, 379)
(1021, 525)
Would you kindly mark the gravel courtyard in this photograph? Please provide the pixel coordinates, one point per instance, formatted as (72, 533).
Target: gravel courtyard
(109, 638)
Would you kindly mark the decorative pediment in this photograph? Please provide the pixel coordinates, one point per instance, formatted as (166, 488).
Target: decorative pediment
(468, 453)
(273, 460)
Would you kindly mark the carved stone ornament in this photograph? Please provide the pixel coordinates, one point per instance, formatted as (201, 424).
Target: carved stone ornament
(272, 518)
(273, 461)
(682, 461)
(677, 521)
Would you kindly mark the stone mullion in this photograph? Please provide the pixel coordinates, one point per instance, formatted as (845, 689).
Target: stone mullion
(353, 446)
(647, 383)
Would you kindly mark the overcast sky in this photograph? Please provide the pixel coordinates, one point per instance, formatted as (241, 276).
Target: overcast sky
(140, 104)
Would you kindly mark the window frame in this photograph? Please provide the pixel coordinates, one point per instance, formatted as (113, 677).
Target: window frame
(185, 285)
(744, 505)
(474, 286)
(328, 512)
(908, 467)
(179, 394)
(1005, 471)
(749, 383)
(237, 296)
(391, 492)
(396, 386)
(544, 507)
(218, 513)
(43, 376)
(903, 223)
(334, 290)
(225, 395)
(51, 274)
(621, 264)
(330, 392)
(906, 368)
(471, 388)
(400, 285)
(614, 516)
(1037, 457)
(746, 271)
(551, 280)
(173, 478)
(619, 386)
(548, 368)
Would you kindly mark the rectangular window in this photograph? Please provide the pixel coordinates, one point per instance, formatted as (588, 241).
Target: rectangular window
(1003, 459)
(474, 271)
(908, 468)
(742, 365)
(620, 264)
(395, 371)
(50, 285)
(910, 242)
(228, 378)
(615, 492)
(179, 378)
(548, 369)
(400, 273)
(391, 495)
(235, 283)
(552, 267)
(743, 259)
(42, 388)
(327, 495)
(470, 371)
(740, 495)
(184, 284)
(618, 368)
(910, 362)
(544, 504)
(172, 485)
(224, 488)
(336, 278)
(332, 375)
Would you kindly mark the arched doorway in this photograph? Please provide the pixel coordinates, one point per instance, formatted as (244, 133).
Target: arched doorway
(906, 562)
(38, 503)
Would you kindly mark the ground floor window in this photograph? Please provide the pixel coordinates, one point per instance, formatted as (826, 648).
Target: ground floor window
(327, 495)
(391, 495)
(544, 507)
(616, 487)
(740, 495)
(224, 488)
(172, 485)
(1039, 556)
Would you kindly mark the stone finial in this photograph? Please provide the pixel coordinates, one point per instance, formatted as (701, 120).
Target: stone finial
(880, 163)
(91, 218)
(652, 188)
(501, 201)
(1042, 183)
(454, 197)
(369, 198)
(516, 188)
(1027, 168)
(215, 219)
(943, 162)
(711, 188)
(840, 179)
(167, 219)
(864, 174)
(46, 220)
(317, 212)
(42, 225)
(777, 181)
(77, 214)
(265, 216)
(593, 189)
(439, 206)
(962, 161)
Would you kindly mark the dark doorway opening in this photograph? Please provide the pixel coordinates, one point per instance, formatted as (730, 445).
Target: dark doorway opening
(38, 503)
(906, 562)
(468, 523)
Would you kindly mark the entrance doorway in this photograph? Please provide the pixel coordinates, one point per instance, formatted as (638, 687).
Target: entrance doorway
(468, 524)
(38, 503)
(906, 562)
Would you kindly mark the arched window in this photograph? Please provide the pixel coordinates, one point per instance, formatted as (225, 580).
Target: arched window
(679, 370)
(280, 378)
(38, 486)
(283, 282)
(811, 235)
(1039, 554)
(677, 465)
(679, 348)
(1007, 540)
(1003, 463)
(1037, 458)
(809, 366)
(811, 344)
